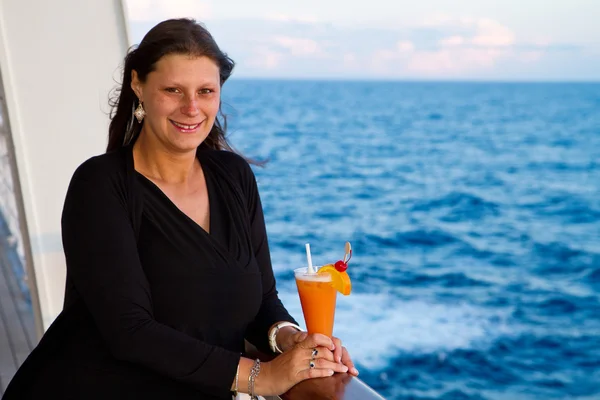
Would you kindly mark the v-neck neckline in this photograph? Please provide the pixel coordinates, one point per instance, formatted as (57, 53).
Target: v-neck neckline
(162, 194)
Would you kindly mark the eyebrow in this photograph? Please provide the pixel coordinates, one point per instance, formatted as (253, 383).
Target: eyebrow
(205, 83)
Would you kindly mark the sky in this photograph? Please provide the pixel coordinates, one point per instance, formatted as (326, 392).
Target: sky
(509, 40)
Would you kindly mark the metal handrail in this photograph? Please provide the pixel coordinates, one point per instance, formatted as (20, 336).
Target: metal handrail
(337, 387)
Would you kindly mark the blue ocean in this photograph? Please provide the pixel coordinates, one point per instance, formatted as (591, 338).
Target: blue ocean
(473, 210)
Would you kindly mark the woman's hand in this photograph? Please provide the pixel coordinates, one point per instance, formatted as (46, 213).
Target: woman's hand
(312, 356)
(340, 354)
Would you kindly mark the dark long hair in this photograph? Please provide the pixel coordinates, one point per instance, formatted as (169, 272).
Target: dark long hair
(173, 36)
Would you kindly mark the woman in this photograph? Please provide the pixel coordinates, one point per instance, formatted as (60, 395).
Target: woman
(168, 265)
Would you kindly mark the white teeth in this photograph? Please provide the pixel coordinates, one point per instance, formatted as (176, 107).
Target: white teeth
(188, 127)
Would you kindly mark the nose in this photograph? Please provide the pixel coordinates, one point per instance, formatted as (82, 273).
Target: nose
(190, 106)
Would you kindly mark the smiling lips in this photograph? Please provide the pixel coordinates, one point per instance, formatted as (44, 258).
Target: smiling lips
(185, 128)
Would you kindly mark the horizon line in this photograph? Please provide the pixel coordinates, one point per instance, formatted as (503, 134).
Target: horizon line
(413, 80)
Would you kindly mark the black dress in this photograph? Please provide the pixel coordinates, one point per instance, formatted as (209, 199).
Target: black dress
(155, 306)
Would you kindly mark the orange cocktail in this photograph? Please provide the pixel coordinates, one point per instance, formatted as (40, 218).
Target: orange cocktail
(317, 296)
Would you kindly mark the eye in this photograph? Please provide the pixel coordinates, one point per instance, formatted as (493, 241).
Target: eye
(172, 90)
(206, 91)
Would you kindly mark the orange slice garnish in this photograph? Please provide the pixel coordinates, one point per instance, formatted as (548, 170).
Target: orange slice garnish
(339, 280)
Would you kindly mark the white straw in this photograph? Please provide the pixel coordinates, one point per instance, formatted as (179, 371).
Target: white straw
(311, 270)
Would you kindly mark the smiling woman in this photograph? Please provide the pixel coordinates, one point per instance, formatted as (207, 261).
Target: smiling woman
(168, 263)
(179, 66)
(180, 96)
(178, 103)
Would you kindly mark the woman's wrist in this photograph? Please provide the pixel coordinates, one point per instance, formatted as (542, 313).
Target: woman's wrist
(275, 339)
(262, 384)
(243, 372)
(284, 337)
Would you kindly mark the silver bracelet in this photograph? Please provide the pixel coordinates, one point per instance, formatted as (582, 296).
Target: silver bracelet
(253, 374)
(273, 335)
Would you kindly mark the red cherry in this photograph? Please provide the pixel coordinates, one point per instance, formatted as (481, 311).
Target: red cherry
(341, 266)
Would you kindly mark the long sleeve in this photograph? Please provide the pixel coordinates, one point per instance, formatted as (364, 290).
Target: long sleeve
(272, 309)
(104, 266)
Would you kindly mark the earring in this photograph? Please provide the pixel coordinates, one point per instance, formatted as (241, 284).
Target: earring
(140, 113)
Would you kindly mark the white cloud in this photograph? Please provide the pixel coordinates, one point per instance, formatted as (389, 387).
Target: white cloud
(492, 33)
(454, 61)
(386, 55)
(437, 20)
(287, 18)
(298, 46)
(541, 41)
(470, 44)
(446, 61)
(263, 57)
(158, 10)
(484, 31)
(452, 41)
(405, 46)
(531, 56)
(349, 59)
(449, 47)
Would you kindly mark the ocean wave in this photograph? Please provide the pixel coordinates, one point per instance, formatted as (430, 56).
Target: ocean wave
(416, 237)
(420, 326)
(572, 209)
(525, 365)
(448, 280)
(560, 258)
(557, 306)
(593, 276)
(433, 375)
(458, 206)
(438, 246)
(546, 360)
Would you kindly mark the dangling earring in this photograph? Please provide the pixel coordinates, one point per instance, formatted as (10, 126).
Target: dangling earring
(140, 113)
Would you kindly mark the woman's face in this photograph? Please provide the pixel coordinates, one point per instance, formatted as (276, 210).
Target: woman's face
(181, 99)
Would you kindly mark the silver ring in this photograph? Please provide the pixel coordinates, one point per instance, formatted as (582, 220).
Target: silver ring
(311, 364)
(314, 353)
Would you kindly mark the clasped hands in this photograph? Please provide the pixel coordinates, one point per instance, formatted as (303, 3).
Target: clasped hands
(304, 356)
